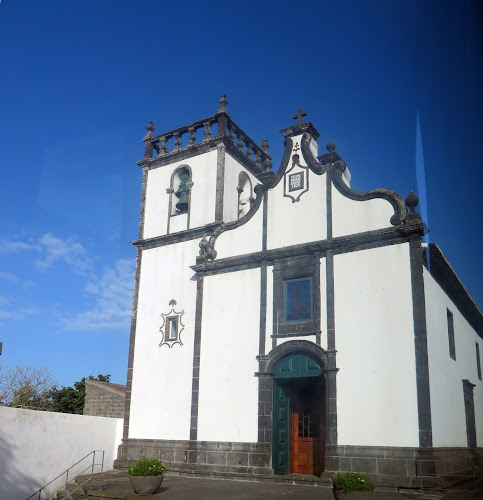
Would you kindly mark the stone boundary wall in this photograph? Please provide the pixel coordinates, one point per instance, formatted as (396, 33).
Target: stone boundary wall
(104, 399)
(37, 446)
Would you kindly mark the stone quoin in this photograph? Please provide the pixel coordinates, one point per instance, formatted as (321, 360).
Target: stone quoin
(286, 323)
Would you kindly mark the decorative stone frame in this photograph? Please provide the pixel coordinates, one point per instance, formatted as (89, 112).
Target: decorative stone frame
(165, 328)
(244, 182)
(289, 269)
(172, 195)
(265, 383)
(296, 169)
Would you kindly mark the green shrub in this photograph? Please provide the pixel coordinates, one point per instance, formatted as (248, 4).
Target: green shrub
(352, 481)
(146, 467)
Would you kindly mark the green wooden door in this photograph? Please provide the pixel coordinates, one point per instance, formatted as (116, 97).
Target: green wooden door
(297, 365)
(293, 366)
(280, 452)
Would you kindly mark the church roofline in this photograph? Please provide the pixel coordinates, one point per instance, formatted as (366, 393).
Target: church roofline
(446, 277)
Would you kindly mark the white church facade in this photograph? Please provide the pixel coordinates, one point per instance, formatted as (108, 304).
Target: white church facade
(285, 323)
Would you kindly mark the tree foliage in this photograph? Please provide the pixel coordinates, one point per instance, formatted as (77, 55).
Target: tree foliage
(33, 387)
(26, 386)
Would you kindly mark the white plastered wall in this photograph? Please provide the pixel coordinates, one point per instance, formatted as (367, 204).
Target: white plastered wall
(287, 221)
(228, 394)
(230, 195)
(37, 446)
(244, 239)
(374, 335)
(203, 192)
(445, 374)
(157, 202)
(202, 205)
(162, 376)
(351, 216)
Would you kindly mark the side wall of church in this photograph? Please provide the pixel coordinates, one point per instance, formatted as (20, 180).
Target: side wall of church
(228, 393)
(374, 335)
(162, 375)
(202, 208)
(446, 374)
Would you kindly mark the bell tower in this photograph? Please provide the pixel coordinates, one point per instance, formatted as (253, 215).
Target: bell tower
(199, 175)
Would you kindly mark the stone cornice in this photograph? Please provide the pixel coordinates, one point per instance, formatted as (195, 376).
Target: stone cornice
(169, 239)
(300, 129)
(343, 244)
(197, 149)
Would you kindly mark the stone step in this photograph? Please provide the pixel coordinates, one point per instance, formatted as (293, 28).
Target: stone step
(74, 492)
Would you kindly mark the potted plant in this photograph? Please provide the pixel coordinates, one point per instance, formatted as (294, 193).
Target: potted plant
(351, 485)
(146, 475)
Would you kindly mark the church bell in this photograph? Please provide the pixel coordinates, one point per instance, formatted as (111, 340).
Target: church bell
(182, 204)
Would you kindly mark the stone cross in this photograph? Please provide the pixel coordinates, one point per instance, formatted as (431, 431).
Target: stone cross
(298, 116)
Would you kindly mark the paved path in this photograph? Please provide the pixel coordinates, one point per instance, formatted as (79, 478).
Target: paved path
(176, 487)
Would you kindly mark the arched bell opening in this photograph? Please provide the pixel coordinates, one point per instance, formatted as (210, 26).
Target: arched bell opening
(181, 185)
(245, 194)
(179, 199)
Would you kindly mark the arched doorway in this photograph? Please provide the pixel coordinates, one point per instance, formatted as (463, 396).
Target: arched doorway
(298, 415)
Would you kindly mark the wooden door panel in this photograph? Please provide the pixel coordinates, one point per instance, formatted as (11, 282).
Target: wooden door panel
(304, 435)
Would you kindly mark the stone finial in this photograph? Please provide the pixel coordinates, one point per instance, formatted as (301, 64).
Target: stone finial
(298, 116)
(412, 217)
(223, 102)
(149, 128)
(412, 202)
(265, 146)
(148, 145)
(331, 157)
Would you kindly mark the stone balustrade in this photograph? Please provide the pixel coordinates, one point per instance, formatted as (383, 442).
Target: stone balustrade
(201, 131)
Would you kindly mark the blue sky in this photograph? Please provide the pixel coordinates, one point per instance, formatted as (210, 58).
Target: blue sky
(80, 79)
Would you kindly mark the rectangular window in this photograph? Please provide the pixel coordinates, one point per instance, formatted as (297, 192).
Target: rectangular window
(452, 350)
(172, 328)
(297, 300)
(478, 362)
